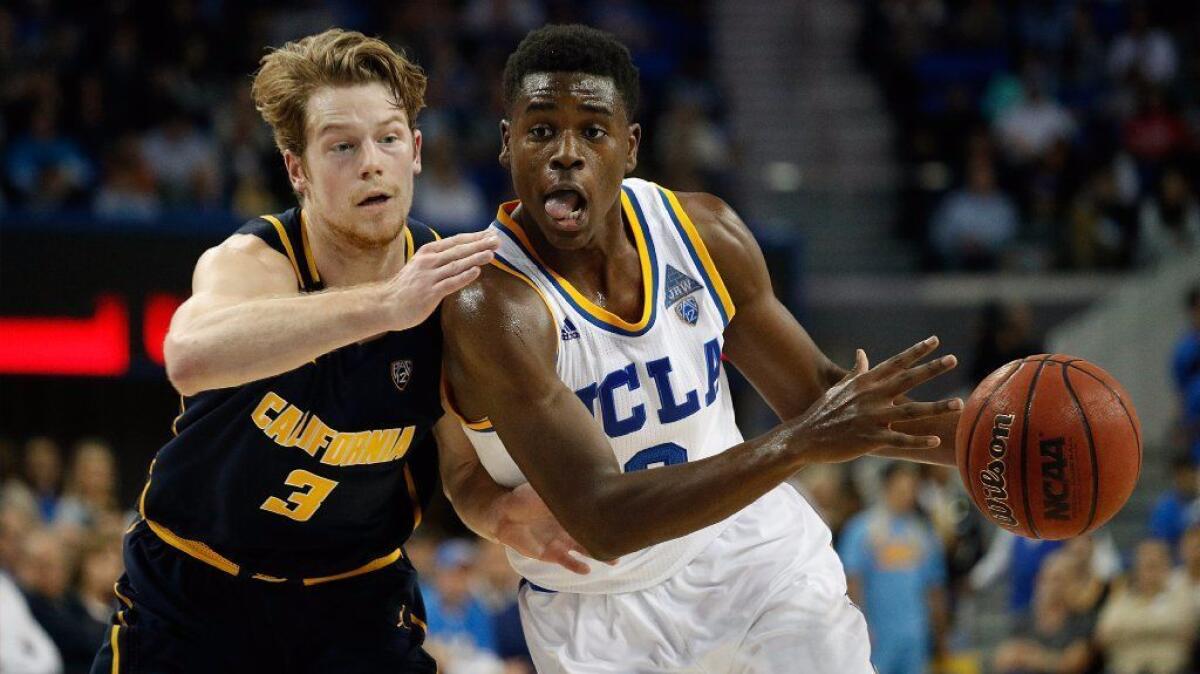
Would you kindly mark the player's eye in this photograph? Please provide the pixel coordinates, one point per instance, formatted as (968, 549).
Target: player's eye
(594, 133)
(541, 132)
(390, 138)
(342, 148)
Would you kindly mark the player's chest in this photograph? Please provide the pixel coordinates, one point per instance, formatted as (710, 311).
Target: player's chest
(667, 376)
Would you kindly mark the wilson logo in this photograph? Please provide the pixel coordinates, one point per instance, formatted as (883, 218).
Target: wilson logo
(1055, 497)
(995, 487)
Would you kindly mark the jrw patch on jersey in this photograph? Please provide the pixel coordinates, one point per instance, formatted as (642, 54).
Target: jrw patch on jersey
(677, 287)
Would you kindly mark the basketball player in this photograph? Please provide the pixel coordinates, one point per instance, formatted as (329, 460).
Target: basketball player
(309, 364)
(592, 350)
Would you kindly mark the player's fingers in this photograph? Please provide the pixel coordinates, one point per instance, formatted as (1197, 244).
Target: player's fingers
(456, 240)
(909, 411)
(490, 242)
(453, 284)
(905, 358)
(915, 376)
(457, 267)
(560, 553)
(899, 440)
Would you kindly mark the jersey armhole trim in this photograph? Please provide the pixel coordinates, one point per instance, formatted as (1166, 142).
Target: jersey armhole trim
(287, 247)
(483, 425)
(699, 253)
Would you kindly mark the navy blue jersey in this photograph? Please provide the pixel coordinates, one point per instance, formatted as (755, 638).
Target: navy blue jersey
(312, 473)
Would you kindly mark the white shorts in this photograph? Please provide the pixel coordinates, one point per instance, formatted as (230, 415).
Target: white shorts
(766, 597)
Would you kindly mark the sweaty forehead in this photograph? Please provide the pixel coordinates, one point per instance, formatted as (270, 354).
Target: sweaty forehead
(583, 87)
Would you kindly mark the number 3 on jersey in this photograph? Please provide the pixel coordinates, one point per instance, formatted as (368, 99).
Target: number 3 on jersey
(311, 492)
(667, 454)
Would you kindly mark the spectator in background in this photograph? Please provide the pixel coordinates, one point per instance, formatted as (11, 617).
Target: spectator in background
(1143, 52)
(973, 226)
(497, 589)
(43, 473)
(1103, 227)
(1185, 371)
(1170, 221)
(25, 648)
(1155, 133)
(1050, 638)
(183, 160)
(127, 191)
(18, 518)
(1145, 627)
(44, 574)
(896, 572)
(100, 565)
(446, 198)
(694, 152)
(461, 636)
(832, 491)
(1005, 333)
(1186, 578)
(46, 168)
(90, 498)
(1178, 508)
(1030, 128)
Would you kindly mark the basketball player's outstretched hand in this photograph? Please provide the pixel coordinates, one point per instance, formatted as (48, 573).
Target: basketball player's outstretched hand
(436, 270)
(527, 526)
(854, 416)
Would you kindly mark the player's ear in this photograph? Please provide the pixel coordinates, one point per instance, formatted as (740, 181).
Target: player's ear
(505, 154)
(417, 140)
(635, 139)
(297, 174)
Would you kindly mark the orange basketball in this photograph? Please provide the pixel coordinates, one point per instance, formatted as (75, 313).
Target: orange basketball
(1049, 446)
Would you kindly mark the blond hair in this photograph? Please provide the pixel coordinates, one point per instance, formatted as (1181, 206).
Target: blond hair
(289, 75)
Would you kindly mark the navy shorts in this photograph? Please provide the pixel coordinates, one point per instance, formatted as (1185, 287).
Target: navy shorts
(182, 615)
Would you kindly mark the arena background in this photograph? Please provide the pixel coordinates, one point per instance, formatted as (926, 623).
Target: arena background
(1016, 176)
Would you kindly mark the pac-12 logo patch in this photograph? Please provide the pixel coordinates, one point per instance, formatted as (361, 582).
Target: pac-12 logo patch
(689, 310)
(401, 373)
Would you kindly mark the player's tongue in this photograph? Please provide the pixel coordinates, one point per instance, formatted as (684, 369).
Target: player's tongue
(561, 205)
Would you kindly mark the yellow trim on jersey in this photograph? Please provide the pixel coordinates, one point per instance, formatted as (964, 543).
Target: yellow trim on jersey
(194, 549)
(481, 425)
(308, 256)
(412, 496)
(409, 246)
(287, 246)
(598, 312)
(116, 663)
(174, 430)
(124, 600)
(702, 251)
(373, 565)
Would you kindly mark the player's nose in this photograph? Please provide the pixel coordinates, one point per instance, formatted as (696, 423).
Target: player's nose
(567, 155)
(372, 160)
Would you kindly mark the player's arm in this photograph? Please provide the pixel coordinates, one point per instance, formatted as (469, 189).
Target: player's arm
(500, 362)
(769, 346)
(517, 518)
(247, 320)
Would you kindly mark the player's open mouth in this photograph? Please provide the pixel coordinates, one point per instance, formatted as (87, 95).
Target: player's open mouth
(374, 199)
(566, 206)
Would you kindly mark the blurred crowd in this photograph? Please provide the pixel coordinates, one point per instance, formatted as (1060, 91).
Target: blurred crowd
(1042, 134)
(139, 110)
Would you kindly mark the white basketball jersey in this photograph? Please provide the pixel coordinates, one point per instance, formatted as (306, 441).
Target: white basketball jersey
(656, 387)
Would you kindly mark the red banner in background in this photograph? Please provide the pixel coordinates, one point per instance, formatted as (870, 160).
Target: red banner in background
(97, 345)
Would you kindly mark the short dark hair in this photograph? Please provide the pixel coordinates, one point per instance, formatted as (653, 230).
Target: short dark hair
(894, 469)
(572, 48)
(1193, 297)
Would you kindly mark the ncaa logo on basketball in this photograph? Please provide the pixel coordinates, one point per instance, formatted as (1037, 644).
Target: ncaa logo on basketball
(689, 310)
(401, 373)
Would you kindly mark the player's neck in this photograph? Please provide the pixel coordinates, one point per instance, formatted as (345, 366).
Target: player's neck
(345, 262)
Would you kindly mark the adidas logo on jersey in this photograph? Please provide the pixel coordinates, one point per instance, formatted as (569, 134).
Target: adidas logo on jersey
(568, 331)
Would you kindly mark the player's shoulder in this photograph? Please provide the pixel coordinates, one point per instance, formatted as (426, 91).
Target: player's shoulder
(728, 240)
(247, 252)
(499, 299)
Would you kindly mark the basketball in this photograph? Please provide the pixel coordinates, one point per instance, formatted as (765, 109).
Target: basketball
(1049, 446)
